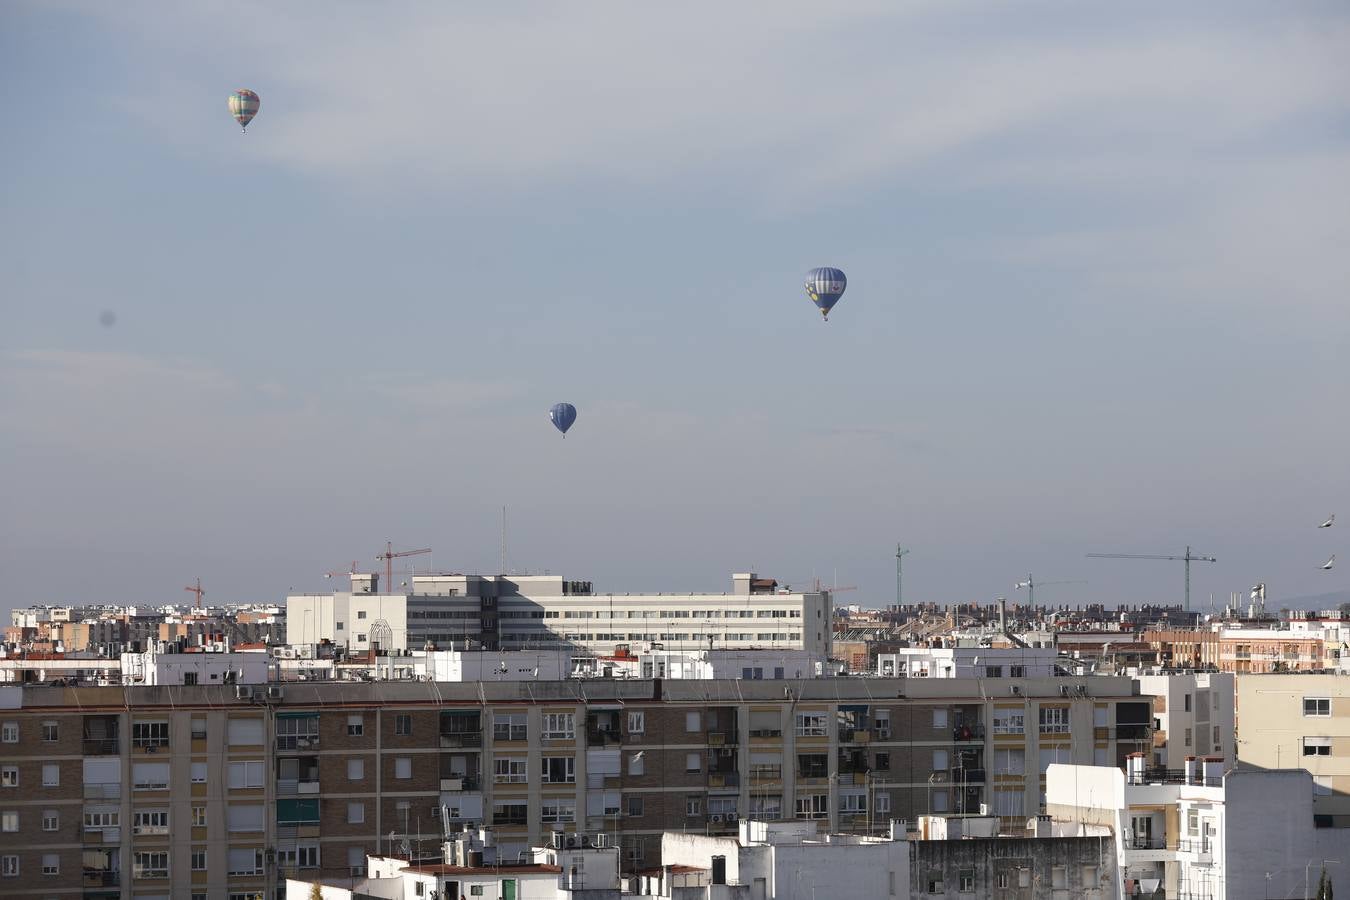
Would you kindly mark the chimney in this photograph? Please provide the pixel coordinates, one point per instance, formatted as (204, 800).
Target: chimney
(1213, 771)
(1003, 615)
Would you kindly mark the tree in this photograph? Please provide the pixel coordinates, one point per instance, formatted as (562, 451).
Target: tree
(1324, 889)
(316, 892)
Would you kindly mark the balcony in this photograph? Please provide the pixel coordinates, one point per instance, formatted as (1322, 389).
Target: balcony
(718, 780)
(1146, 842)
(601, 737)
(969, 732)
(290, 787)
(455, 739)
(102, 878)
(854, 735)
(764, 733)
(1170, 776)
(967, 776)
(100, 746)
(110, 790)
(722, 738)
(460, 783)
(764, 774)
(291, 743)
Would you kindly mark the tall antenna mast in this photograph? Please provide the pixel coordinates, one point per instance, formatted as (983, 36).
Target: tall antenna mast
(899, 587)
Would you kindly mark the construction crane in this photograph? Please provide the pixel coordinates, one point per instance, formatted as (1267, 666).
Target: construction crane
(1188, 559)
(1030, 584)
(335, 573)
(198, 591)
(389, 556)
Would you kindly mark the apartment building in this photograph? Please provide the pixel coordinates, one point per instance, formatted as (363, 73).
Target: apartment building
(1300, 721)
(224, 792)
(1193, 715)
(529, 612)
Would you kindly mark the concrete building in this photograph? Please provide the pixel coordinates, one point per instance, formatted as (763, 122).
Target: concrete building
(162, 665)
(1203, 834)
(541, 611)
(1300, 721)
(1193, 715)
(161, 790)
(968, 662)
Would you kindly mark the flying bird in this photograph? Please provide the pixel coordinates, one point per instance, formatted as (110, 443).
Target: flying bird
(1330, 563)
(1329, 522)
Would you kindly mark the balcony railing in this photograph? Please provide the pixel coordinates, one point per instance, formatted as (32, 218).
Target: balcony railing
(1170, 776)
(110, 790)
(766, 732)
(967, 776)
(460, 783)
(461, 739)
(1146, 843)
(603, 736)
(854, 736)
(724, 779)
(290, 742)
(101, 746)
(102, 878)
(763, 773)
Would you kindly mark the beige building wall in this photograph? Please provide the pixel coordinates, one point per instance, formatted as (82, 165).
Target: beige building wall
(1300, 721)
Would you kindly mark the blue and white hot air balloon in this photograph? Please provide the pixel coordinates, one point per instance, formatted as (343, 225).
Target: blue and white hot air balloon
(825, 286)
(562, 415)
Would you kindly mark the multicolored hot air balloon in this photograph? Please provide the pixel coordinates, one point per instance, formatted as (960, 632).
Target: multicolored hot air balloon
(243, 106)
(825, 286)
(562, 415)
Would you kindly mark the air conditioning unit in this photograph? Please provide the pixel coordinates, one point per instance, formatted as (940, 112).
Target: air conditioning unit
(571, 841)
(883, 734)
(731, 817)
(274, 692)
(1017, 690)
(715, 818)
(243, 692)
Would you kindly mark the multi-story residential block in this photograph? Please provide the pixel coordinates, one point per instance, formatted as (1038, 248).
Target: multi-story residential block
(1300, 721)
(1193, 715)
(178, 790)
(526, 612)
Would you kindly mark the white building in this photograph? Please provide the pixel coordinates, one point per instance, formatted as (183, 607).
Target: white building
(156, 667)
(1206, 835)
(1193, 715)
(544, 611)
(968, 662)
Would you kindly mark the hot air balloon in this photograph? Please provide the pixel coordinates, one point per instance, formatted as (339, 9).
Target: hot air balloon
(562, 415)
(243, 106)
(825, 286)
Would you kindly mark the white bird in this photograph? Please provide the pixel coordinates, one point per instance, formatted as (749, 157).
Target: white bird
(1331, 520)
(1329, 563)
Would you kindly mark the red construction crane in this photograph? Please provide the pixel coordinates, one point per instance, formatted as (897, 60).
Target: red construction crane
(389, 556)
(198, 591)
(335, 574)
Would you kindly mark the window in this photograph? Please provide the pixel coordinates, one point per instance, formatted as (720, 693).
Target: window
(360, 613)
(1001, 880)
(1017, 671)
(199, 817)
(1218, 745)
(636, 765)
(51, 864)
(939, 718)
(51, 820)
(245, 862)
(1023, 877)
(935, 884)
(1187, 736)
(510, 770)
(356, 726)
(402, 724)
(403, 767)
(249, 732)
(939, 801)
(559, 726)
(1317, 746)
(95, 819)
(152, 864)
(51, 732)
(356, 769)
(1089, 877)
(9, 776)
(51, 774)
(993, 671)
(150, 821)
(199, 773)
(883, 762)
(1009, 721)
(810, 724)
(152, 776)
(637, 722)
(1317, 706)
(246, 775)
(356, 860)
(509, 727)
(1059, 877)
(198, 860)
(244, 817)
(966, 881)
(200, 895)
(1187, 703)
(813, 806)
(149, 735)
(515, 812)
(693, 721)
(9, 820)
(1054, 720)
(693, 762)
(9, 732)
(635, 807)
(939, 760)
(559, 770)
(9, 866)
(882, 803)
(199, 729)
(693, 806)
(356, 813)
(558, 811)
(339, 625)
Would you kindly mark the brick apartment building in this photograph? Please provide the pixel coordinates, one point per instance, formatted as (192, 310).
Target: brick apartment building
(205, 792)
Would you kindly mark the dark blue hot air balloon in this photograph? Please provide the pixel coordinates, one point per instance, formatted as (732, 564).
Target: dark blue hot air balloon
(562, 415)
(825, 286)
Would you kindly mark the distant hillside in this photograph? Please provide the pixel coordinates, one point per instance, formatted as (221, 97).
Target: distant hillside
(1331, 600)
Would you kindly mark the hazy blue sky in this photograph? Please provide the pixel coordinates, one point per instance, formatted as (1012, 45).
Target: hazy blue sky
(1098, 260)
